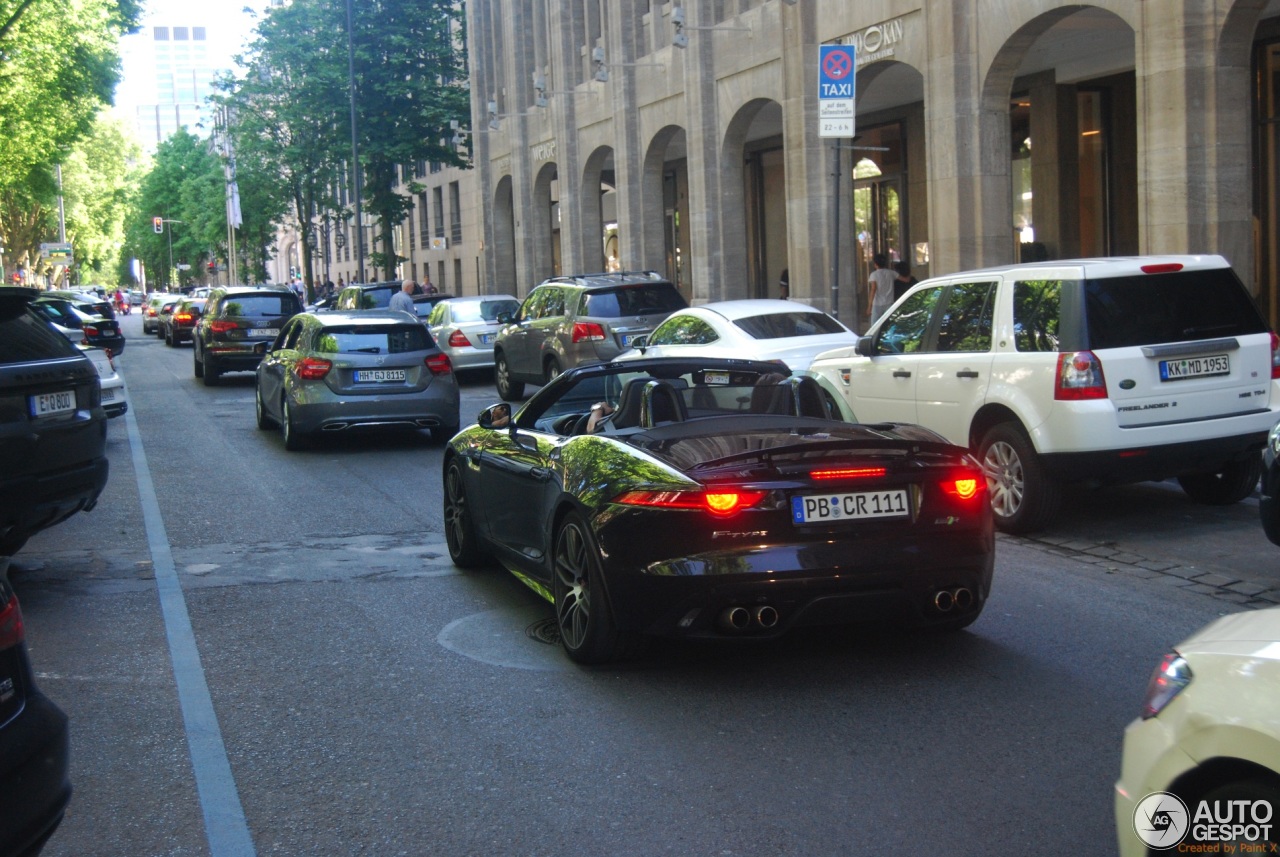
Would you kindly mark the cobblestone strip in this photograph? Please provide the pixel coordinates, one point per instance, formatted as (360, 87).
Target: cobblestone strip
(1206, 581)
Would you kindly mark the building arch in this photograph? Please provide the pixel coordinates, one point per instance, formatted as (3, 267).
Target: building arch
(599, 213)
(543, 228)
(504, 240)
(664, 196)
(752, 203)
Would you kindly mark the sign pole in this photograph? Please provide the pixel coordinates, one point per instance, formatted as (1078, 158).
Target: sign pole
(836, 107)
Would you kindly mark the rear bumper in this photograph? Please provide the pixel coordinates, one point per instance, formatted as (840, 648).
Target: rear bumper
(35, 787)
(1139, 464)
(234, 357)
(840, 582)
(413, 412)
(33, 503)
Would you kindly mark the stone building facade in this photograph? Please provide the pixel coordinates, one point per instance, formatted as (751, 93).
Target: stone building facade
(684, 137)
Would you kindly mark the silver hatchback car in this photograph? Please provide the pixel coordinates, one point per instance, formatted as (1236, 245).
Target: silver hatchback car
(360, 370)
(465, 328)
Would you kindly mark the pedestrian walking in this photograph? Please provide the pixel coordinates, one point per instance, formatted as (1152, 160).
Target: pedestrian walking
(879, 288)
(401, 300)
(784, 284)
(904, 280)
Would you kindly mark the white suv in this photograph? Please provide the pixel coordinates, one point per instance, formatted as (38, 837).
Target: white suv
(1089, 370)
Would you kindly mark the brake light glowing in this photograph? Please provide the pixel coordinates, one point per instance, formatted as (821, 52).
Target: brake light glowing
(587, 331)
(720, 503)
(222, 326)
(1079, 377)
(965, 486)
(312, 368)
(182, 316)
(1162, 268)
(458, 339)
(438, 364)
(848, 473)
(11, 632)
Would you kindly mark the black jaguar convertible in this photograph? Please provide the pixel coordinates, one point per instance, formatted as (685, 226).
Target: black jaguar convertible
(699, 498)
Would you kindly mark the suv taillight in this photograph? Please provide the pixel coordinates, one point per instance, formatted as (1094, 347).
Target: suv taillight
(587, 331)
(1079, 377)
(222, 326)
(312, 368)
(438, 364)
(182, 316)
(10, 620)
(458, 339)
(1275, 356)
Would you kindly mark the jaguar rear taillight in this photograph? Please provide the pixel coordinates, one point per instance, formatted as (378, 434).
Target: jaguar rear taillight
(720, 501)
(312, 368)
(458, 339)
(222, 326)
(1079, 377)
(11, 632)
(587, 331)
(967, 485)
(438, 364)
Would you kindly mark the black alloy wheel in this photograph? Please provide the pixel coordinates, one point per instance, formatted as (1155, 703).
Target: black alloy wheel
(587, 629)
(211, 372)
(508, 389)
(294, 440)
(459, 529)
(264, 421)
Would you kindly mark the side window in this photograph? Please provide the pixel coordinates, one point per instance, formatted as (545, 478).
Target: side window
(1036, 306)
(532, 306)
(684, 330)
(437, 315)
(904, 331)
(965, 323)
(291, 335)
(554, 306)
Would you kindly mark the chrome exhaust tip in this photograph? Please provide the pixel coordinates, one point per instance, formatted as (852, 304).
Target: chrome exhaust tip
(734, 619)
(943, 601)
(765, 616)
(963, 598)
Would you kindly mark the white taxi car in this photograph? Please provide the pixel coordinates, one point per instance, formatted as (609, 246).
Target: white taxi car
(1201, 766)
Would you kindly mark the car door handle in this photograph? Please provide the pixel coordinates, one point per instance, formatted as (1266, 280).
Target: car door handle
(901, 373)
(967, 373)
(541, 474)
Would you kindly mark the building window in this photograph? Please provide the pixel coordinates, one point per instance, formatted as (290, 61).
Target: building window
(413, 233)
(455, 212)
(438, 198)
(161, 34)
(197, 34)
(179, 34)
(424, 219)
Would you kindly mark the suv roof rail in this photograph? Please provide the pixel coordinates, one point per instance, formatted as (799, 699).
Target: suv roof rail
(603, 277)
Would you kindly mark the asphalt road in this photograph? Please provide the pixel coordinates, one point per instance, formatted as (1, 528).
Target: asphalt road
(367, 698)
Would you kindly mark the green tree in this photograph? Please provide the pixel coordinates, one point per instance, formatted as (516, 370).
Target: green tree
(99, 178)
(410, 81)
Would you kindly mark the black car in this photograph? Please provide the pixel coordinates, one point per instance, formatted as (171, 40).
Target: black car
(77, 324)
(88, 302)
(717, 498)
(34, 784)
(367, 295)
(237, 327)
(1269, 504)
(177, 326)
(53, 429)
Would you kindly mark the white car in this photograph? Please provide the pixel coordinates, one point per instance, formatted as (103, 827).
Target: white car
(1094, 371)
(1201, 766)
(759, 329)
(115, 399)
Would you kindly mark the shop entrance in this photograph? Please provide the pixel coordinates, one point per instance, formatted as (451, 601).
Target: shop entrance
(878, 216)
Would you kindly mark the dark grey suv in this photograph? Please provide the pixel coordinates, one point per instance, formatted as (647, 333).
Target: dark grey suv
(239, 323)
(53, 430)
(568, 322)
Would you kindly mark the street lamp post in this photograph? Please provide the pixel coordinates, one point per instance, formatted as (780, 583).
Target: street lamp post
(169, 231)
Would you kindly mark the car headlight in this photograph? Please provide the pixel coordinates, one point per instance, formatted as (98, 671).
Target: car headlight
(1168, 680)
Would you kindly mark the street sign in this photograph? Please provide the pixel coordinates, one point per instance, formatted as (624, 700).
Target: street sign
(836, 90)
(183, 266)
(56, 254)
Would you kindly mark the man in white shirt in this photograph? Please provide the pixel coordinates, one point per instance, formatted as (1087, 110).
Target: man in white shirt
(401, 300)
(879, 288)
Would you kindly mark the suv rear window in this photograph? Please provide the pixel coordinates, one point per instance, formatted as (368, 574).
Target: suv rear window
(373, 339)
(236, 305)
(1174, 307)
(25, 337)
(644, 299)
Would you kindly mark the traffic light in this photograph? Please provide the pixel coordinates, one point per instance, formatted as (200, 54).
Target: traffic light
(213, 267)
(158, 223)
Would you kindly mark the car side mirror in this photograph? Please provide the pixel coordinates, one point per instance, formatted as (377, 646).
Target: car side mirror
(495, 417)
(505, 317)
(866, 346)
(640, 343)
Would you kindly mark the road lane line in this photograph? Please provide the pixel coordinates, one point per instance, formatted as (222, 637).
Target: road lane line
(225, 825)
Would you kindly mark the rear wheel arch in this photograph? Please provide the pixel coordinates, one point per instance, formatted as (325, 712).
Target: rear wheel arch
(989, 416)
(1214, 773)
